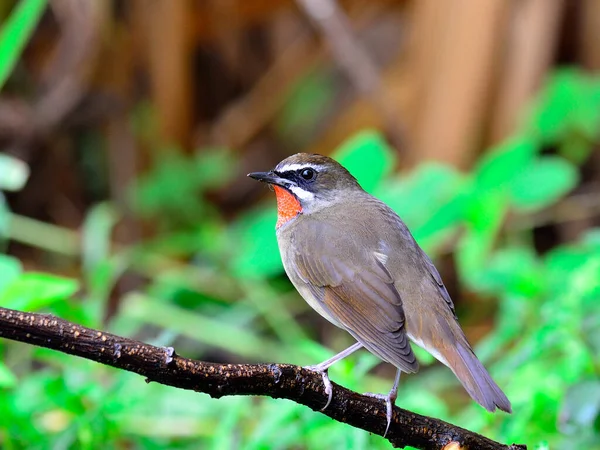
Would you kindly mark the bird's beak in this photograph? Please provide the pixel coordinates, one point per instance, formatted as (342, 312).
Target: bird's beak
(270, 177)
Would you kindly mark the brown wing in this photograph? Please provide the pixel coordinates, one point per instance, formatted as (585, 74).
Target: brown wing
(438, 280)
(353, 285)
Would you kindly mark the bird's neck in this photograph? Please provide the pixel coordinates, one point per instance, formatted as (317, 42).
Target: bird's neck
(288, 206)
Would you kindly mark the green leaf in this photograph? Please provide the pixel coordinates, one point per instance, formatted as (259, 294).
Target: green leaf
(32, 291)
(418, 196)
(443, 222)
(430, 200)
(542, 183)
(7, 378)
(15, 32)
(224, 435)
(513, 270)
(13, 173)
(173, 191)
(484, 218)
(568, 104)
(214, 167)
(368, 157)
(10, 269)
(258, 253)
(503, 163)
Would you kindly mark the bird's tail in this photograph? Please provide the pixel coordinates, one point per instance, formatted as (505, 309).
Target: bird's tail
(475, 379)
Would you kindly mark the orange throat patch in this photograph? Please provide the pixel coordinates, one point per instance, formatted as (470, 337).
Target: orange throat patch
(288, 206)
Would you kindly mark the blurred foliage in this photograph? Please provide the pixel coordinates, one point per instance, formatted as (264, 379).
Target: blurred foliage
(15, 32)
(230, 299)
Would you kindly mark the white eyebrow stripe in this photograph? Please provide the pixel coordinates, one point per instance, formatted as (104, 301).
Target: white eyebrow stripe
(294, 167)
(302, 194)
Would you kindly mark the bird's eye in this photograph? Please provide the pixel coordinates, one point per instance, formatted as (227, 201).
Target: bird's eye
(308, 174)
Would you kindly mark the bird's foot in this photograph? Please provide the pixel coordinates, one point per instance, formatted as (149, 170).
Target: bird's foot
(326, 381)
(390, 401)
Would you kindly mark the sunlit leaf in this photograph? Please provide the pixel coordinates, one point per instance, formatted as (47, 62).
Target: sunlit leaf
(514, 270)
(419, 195)
(15, 32)
(503, 163)
(430, 200)
(32, 291)
(569, 103)
(484, 218)
(542, 183)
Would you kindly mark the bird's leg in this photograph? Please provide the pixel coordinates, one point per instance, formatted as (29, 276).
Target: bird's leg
(390, 399)
(325, 365)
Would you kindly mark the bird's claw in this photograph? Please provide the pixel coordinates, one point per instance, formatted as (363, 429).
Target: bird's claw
(326, 383)
(389, 404)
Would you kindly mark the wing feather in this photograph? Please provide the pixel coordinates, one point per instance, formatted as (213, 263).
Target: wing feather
(440, 284)
(354, 286)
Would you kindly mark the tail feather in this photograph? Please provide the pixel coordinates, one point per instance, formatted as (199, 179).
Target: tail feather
(476, 380)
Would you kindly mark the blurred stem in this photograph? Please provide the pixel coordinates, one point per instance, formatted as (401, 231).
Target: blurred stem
(65, 241)
(223, 335)
(43, 235)
(204, 279)
(275, 311)
(16, 31)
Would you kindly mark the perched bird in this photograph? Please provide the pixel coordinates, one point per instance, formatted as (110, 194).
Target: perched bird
(355, 262)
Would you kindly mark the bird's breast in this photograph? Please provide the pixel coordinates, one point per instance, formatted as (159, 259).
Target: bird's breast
(288, 206)
(310, 293)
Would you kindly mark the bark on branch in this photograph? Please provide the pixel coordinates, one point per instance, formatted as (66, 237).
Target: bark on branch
(294, 383)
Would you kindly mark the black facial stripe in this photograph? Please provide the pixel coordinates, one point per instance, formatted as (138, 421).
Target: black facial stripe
(288, 174)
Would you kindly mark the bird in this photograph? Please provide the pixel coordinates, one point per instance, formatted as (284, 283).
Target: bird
(355, 262)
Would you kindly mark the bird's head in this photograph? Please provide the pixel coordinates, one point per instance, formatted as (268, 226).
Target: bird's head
(305, 183)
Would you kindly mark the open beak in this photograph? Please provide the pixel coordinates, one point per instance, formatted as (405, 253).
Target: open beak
(271, 178)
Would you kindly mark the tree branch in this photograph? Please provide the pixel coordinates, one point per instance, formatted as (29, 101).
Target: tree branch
(273, 380)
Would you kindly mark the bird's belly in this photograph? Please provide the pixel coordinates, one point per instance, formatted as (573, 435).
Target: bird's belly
(283, 237)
